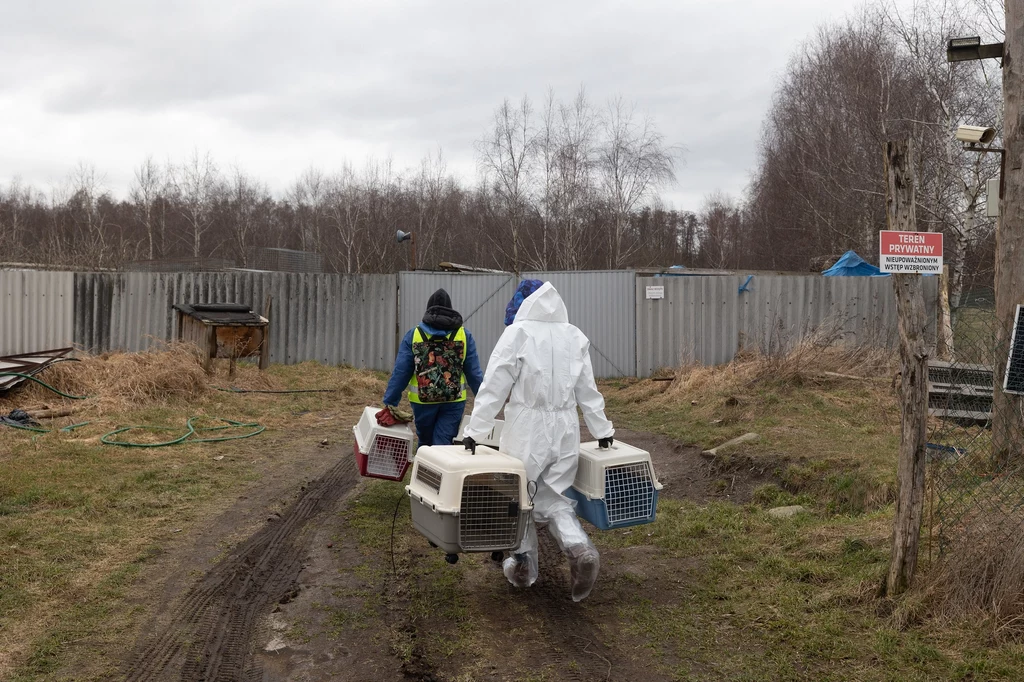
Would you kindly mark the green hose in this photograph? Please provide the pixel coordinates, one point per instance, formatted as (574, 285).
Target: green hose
(44, 385)
(66, 429)
(191, 431)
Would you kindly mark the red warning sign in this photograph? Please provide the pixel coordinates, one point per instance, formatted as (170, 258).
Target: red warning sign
(907, 253)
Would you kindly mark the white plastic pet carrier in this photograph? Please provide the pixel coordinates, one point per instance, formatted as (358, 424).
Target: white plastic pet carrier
(464, 502)
(615, 487)
(491, 440)
(382, 451)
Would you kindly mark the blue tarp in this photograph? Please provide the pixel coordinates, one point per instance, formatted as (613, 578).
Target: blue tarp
(852, 265)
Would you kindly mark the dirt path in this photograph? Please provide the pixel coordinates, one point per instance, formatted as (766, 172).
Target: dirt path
(295, 600)
(209, 633)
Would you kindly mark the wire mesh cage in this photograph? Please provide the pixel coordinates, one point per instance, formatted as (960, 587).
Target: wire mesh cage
(463, 502)
(382, 451)
(615, 487)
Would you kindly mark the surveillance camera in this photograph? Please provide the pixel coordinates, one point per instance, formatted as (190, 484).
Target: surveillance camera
(975, 134)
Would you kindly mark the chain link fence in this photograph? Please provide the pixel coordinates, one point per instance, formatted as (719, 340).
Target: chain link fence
(975, 466)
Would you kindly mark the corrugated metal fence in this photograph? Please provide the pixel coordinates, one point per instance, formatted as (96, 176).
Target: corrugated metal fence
(336, 319)
(601, 304)
(706, 320)
(358, 319)
(35, 310)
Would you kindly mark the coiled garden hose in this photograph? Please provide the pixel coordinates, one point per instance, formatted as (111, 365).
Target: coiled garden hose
(191, 431)
(44, 385)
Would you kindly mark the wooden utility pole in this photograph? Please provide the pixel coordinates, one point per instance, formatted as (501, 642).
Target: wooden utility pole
(900, 214)
(1006, 408)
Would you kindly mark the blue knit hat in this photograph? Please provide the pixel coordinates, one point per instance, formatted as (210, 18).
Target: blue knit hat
(526, 287)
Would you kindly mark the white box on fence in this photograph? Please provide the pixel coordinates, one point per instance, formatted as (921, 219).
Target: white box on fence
(464, 502)
(491, 440)
(382, 451)
(615, 487)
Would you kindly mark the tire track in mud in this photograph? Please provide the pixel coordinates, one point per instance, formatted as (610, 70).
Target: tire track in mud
(575, 649)
(209, 636)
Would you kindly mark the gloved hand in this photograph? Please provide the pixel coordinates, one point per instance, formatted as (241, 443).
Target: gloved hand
(605, 443)
(470, 444)
(386, 417)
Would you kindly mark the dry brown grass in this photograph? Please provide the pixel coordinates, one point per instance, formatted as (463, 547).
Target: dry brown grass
(980, 577)
(118, 381)
(811, 361)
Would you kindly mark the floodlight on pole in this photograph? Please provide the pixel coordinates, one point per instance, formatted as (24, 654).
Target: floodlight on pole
(410, 237)
(970, 48)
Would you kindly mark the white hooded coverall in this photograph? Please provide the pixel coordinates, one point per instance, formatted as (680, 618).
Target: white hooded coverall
(544, 363)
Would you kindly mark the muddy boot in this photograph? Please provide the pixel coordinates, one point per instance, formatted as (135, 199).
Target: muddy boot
(584, 564)
(520, 570)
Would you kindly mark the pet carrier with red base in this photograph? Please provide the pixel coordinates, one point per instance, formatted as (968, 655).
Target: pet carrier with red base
(463, 502)
(615, 487)
(382, 451)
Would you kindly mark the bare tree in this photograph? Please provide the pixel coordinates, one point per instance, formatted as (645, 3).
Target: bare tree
(721, 223)
(346, 210)
(144, 193)
(505, 159)
(634, 162)
(575, 163)
(196, 185)
(310, 198)
(247, 200)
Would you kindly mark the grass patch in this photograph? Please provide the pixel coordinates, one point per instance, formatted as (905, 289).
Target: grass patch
(829, 438)
(762, 598)
(766, 599)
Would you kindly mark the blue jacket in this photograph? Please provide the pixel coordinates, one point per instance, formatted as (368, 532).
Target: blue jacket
(402, 374)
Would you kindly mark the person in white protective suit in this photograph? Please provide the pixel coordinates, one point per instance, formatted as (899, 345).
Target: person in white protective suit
(544, 363)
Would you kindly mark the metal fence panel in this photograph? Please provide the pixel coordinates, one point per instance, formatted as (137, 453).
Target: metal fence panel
(599, 303)
(480, 298)
(335, 319)
(36, 310)
(707, 320)
(602, 304)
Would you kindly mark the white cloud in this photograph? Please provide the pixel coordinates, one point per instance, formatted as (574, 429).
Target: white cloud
(276, 86)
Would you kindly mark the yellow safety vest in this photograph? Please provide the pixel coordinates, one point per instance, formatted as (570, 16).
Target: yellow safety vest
(414, 388)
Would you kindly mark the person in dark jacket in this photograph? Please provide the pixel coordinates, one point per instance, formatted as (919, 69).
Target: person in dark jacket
(436, 362)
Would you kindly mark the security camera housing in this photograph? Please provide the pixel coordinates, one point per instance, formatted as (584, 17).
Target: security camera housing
(975, 134)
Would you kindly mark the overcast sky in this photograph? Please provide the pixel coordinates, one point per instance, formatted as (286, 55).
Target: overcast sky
(274, 87)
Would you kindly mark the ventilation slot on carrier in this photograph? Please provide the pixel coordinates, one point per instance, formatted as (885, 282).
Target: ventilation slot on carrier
(429, 477)
(629, 492)
(489, 516)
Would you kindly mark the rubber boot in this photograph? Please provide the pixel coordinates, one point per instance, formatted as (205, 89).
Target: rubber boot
(584, 565)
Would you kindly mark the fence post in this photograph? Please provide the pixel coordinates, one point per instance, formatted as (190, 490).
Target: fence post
(900, 215)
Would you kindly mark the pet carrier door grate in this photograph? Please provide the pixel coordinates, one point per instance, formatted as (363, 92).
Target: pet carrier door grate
(388, 456)
(489, 516)
(629, 492)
